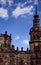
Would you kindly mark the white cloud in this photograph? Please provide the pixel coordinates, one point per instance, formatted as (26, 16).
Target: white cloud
(22, 5)
(17, 38)
(3, 1)
(21, 11)
(26, 41)
(10, 2)
(29, 1)
(36, 1)
(3, 13)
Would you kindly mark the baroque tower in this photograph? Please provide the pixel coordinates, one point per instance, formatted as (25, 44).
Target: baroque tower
(35, 40)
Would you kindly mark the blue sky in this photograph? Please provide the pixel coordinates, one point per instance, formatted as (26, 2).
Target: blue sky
(16, 17)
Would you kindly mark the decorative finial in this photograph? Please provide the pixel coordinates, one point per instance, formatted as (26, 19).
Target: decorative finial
(17, 48)
(21, 48)
(5, 32)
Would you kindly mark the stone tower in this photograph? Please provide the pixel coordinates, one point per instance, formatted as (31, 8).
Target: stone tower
(35, 40)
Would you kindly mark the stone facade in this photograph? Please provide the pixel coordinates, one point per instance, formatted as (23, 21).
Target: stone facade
(10, 56)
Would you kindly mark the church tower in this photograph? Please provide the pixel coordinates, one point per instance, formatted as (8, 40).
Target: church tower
(35, 40)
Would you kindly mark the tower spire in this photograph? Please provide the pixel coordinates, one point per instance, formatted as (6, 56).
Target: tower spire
(36, 16)
(36, 10)
(36, 4)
